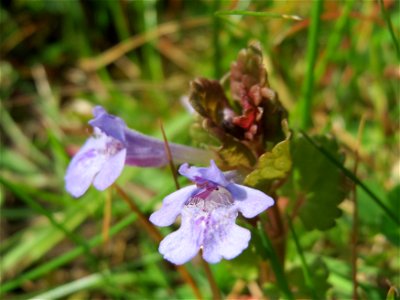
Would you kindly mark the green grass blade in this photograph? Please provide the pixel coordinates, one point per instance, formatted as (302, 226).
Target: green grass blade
(354, 178)
(308, 84)
(216, 42)
(275, 264)
(257, 14)
(19, 139)
(306, 270)
(334, 39)
(86, 283)
(63, 259)
(72, 220)
(389, 24)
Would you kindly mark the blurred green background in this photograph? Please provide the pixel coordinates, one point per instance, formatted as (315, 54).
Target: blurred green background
(136, 58)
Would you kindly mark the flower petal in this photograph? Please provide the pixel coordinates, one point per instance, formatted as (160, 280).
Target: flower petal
(110, 171)
(172, 206)
(224, 239)
(250, 202)
(181, 246)
(211, 173)
(112, 125)
(83, 167)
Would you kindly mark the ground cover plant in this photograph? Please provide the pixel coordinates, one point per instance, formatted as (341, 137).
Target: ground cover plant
(200, 149)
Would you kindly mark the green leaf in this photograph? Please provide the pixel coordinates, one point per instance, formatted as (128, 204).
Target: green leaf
(320, 274)
(271, 165)
(388, 227)
(317, 183)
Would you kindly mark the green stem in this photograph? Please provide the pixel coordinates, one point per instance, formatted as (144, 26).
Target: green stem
(216, 41)
(386, 16)
(308, 85)
(306, 270)
(216, 294)
(334, 39)
(276, 266)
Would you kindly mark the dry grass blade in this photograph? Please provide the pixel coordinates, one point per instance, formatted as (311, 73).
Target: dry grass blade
(114, 53)
(354, 232)
(169, 155)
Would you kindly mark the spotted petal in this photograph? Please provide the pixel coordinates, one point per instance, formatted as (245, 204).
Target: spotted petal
(182, 245)
(224, 239)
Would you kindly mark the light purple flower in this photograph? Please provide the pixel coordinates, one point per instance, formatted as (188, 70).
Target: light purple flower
(209, 210)
(113, 145)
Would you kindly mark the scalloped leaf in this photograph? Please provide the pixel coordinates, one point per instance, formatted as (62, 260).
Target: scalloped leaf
(316, 182)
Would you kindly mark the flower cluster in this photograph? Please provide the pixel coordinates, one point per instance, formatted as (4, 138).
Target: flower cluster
(209, 208)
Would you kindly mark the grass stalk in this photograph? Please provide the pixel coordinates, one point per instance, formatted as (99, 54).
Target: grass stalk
(107, 217)
(150, 229)
(216, 25)
(275, 264)
(238, 12)
(389, 24)
(354, 229)
(312, 47)
(19, 139)
(334, 39)
(306, 270)
(169, 156)
(216, 294)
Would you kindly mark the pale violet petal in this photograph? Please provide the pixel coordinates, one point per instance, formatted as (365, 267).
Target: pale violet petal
(112, 125)
(98, 110)
(212, 173)
(110, 171)
(224, 239)
(182, 245)
(250, 202)
(83, 168)
(172, 206)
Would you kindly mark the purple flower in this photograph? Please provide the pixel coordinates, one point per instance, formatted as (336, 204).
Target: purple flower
(113, 145)
(209, 210)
